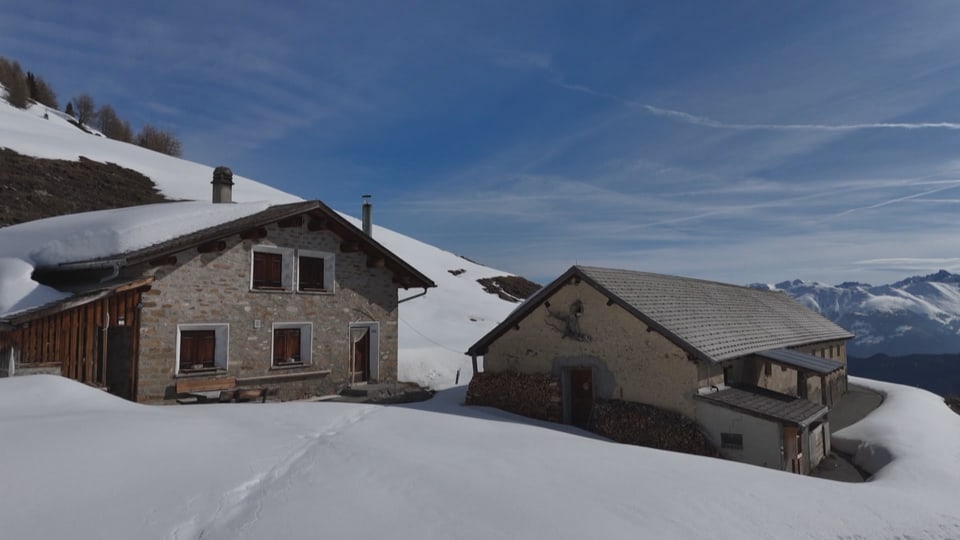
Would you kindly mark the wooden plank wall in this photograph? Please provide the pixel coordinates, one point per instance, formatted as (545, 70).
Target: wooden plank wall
(73, 338)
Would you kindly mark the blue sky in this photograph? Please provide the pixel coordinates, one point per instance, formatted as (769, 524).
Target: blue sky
(750, 141)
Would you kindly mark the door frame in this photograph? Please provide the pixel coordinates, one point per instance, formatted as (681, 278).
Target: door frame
(567, 390)
(373, 354)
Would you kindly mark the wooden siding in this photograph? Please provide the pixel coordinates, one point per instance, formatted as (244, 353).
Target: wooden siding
(73, 338)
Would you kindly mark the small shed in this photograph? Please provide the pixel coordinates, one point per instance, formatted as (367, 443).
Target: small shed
(763, 427)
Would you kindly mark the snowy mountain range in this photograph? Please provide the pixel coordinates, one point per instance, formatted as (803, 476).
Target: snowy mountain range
(920, 314)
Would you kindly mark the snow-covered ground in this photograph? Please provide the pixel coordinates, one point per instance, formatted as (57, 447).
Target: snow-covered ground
(76, 462)
(79, 463)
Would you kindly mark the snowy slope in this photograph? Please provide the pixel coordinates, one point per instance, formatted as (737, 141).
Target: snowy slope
(920, 314)
(78, 463)
(435, 329)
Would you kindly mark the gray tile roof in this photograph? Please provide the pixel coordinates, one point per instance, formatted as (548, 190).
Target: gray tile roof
(802, 360)
(766, 404)
(718, 320)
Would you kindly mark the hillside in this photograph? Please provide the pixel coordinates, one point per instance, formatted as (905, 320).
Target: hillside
(435, 329)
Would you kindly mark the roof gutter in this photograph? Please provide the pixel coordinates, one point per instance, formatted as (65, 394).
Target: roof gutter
(112, 264)
(418, 295)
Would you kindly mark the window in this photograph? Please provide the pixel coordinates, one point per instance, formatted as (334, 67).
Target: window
(286, 345)
(271, 268)
(311, 274)
(202, 347)
(267, 270)
(315, 271)
(733, 441)
(291, 344)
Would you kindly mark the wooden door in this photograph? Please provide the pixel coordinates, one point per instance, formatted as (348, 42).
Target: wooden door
(120, 359)
(581, 396)
(361, 354)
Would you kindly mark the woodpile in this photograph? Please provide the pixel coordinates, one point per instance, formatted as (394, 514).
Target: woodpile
(532, 395)
(645, 425)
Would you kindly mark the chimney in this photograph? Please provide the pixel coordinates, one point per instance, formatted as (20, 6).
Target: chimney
(222, 185)
(367, 216)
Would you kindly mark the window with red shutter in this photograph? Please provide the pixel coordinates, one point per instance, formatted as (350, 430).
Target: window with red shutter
(286, 346)
(312, 276)
(197, 349)
(267, 270)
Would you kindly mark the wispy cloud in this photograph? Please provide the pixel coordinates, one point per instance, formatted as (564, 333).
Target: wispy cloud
(709, 122)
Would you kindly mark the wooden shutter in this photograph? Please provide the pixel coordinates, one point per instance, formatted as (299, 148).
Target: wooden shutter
(311, 274)
(286, 345)
(197, 347)
(267, 270)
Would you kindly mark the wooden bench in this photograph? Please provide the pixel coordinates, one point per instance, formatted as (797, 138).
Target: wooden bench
(223, 389)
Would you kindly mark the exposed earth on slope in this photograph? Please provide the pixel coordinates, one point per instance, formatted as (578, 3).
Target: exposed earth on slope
(34, 188)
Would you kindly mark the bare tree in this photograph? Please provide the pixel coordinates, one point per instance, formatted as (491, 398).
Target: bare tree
(69, 109)
(158, 140)
(12, 77)
(84, 107)
(110, 124)
(40, 91)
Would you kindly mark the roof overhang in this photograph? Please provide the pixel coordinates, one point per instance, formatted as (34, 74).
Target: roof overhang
(801, 361)
(78, 299)
(766, 404)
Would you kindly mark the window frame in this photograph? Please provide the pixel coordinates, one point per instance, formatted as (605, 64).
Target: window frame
(286, 268)
(306, 344)
(221, 353)
(329, 271)
(731, 441)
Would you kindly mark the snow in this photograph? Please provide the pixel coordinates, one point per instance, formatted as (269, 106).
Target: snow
(79, 463)
(27, 132)
(435, 329)
(63, 239)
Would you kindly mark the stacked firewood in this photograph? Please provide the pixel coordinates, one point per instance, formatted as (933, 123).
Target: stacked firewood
(645, 425)
(532, 395)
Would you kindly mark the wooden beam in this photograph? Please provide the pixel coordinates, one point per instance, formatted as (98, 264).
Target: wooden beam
(350, 246)
(317, 224)
(209, 247)
(293, 221)
(164, 261)
(254, 234)
(376, 262)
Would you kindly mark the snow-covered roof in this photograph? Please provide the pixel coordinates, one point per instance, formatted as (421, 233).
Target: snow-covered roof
(77, 237)
(135, 233)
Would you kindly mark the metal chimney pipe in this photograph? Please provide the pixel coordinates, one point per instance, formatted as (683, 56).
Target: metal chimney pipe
(222, 185)
(367, 216)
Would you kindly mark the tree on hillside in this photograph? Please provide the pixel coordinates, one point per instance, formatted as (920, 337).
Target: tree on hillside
(69, 108)
(40, 91)
(158, 140)
(84, 107)
(12, 77)
(110, 124)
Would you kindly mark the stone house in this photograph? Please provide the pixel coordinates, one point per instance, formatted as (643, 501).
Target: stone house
(292, 297)
(756, 370)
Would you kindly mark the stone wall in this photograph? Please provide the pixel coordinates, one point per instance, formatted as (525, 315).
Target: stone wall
(645, 425)
(533, 395)
(577, 327)
(215, 288)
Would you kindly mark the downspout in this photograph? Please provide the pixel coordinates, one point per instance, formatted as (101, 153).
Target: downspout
(418, 295)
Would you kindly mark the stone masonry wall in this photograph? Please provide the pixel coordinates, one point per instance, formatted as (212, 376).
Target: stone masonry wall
(214, 288)
(576, 327)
